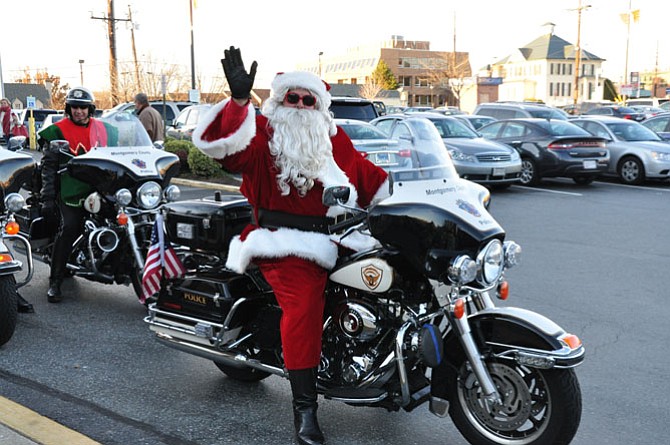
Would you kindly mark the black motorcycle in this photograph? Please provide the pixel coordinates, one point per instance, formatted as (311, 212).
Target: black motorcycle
(411, 320)
(16, 170)
(128, 182)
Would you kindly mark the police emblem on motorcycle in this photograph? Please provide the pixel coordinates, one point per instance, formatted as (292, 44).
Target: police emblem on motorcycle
(464, 205)
(372, 276)
(139, 163)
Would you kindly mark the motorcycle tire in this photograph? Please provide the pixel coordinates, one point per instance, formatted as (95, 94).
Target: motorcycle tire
(540, 407)
(243, 374)
(8, 307)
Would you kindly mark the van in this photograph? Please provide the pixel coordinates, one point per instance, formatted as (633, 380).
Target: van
(647, 101)
(353, 108)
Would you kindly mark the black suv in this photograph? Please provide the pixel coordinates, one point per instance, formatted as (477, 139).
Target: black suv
(353, 108)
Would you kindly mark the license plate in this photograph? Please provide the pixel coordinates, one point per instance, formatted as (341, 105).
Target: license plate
(498, 172)
(590, 165)
(184, 231)
(382, 158)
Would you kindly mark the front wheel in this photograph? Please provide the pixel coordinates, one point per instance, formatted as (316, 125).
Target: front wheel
(8, 307)
(538, 406)
(631, 171)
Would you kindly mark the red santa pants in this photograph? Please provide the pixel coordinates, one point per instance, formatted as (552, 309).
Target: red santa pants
(298, 285)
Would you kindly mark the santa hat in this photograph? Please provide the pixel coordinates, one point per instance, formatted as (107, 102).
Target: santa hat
(301, 79)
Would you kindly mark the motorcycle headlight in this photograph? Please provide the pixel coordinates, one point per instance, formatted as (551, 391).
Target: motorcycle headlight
(512, 253)
(172, 193)
(463, 270)
(14, 202)
(149, 195)
(490, 262)
(123, 197)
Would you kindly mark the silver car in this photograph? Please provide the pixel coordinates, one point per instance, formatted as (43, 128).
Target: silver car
(374, 144)
(475, 158)
(636, 152)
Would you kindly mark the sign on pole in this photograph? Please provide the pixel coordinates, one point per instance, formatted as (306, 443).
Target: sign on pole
(30, 102)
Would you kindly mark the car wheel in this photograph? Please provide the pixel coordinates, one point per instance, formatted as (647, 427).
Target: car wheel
(529, 174)
(631, 170)
(583, 180)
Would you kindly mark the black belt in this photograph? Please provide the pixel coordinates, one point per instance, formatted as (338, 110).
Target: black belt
(271, 219)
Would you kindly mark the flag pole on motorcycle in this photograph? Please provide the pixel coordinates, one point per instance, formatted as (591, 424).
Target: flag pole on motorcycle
(162, 262)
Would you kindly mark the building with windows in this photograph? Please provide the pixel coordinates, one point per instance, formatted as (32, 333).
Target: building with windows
(544, 70)
(425, 77)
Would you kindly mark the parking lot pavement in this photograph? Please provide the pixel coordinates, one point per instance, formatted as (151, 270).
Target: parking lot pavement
(21, 426)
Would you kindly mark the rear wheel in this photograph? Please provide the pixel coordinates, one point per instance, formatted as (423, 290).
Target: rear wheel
(538, 407)
(8, 307)
(529, 174)
(631, 170)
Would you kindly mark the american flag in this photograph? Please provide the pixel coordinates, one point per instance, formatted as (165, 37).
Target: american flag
(160, 261)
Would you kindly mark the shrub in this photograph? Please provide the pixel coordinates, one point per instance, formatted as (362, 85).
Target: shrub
(181, 149)
(202, 165)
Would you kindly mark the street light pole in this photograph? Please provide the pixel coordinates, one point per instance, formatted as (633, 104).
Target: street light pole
(578, 50)
(320, 73)
(81, 71)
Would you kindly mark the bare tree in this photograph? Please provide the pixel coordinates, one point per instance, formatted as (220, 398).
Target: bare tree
(370, 90)
(447, 72)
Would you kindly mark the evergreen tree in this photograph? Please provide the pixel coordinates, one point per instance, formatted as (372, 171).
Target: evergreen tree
(383, 76)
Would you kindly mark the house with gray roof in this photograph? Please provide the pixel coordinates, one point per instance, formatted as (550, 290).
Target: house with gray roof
(544, 70)
(18, 94)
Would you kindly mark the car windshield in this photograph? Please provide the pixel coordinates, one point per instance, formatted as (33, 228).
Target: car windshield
(357, 131)
(562, 128)
(429, 159)
(629, 131)
(451, 128)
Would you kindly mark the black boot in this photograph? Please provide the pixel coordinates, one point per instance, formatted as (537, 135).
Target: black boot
(24, 306)
(54, 294)
(303, 387)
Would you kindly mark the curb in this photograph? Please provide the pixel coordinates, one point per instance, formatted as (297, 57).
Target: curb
(37, 428)
(206, 185)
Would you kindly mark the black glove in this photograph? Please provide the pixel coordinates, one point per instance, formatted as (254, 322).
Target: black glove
(239, 81)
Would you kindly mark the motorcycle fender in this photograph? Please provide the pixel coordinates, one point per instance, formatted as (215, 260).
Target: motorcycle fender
(510, 331)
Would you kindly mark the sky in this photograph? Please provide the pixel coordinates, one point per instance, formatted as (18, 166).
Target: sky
(281, 34)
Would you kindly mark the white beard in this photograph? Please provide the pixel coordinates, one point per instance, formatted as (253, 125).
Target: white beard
(301, 146)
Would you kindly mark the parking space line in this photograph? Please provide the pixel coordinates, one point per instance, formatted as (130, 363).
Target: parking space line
(614, 184)
(538, 189)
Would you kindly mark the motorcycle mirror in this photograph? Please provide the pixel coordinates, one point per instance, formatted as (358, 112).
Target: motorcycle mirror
(59, 145)
(335, 195)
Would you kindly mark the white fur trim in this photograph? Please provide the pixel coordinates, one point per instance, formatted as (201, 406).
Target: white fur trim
(356, 241)
(264, 243)
(236, 142)
(301, 79)
(383, 192)
(335, 176)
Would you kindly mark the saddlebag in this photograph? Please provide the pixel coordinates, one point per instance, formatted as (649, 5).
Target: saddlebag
(206, 224)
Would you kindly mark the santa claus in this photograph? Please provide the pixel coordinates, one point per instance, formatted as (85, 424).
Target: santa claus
(287, 156)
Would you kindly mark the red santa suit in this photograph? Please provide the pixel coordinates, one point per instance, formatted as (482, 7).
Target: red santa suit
(294, 262)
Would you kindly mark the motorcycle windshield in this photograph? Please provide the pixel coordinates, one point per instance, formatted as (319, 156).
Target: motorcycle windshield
(431, 209)
(122, 156)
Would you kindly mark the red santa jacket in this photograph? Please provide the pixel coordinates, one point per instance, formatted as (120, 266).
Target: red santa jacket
(239, 139)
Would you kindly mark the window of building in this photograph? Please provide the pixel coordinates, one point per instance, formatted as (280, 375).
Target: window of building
(551, 89)
(551, 68)
(570, 69)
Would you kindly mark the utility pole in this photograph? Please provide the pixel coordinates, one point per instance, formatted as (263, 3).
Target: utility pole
(113, 67)
(192, 47)
(132, 39)
(578, 50)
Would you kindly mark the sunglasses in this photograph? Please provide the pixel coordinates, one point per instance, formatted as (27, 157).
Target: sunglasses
(307, 100)
(81, 107)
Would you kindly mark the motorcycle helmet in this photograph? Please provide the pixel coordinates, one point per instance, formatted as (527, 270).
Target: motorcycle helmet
(79, 96)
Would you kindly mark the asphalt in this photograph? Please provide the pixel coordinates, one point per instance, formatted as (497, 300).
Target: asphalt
(22, 426)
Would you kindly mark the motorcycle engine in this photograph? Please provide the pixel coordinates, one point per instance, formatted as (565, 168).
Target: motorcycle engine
(351, 338)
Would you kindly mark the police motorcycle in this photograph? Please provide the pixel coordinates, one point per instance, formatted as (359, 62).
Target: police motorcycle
(128, 179)
(409, 320)
(16, 170)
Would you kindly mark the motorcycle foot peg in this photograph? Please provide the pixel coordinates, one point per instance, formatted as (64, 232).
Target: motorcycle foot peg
(439, 406)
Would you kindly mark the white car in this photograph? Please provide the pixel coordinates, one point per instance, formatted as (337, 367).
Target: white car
(636, 152)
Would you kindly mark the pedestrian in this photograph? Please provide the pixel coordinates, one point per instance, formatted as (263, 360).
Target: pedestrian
(62, 195)
(5, 120)
(287, 156)
(150, 117)
(18, 129)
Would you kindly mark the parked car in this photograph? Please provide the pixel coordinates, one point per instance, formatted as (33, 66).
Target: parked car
(647, 110)
(418, 109)
(38, 114)
(353, 108)
(616, 111)
(551, 148)
(374, 144)
(511, 110)
(186, 121)
(660, 124)
(636, 152)
(170, 108)
(449, 110)
(473, 121)
(49, 120)
(665, 106)
(475, 158)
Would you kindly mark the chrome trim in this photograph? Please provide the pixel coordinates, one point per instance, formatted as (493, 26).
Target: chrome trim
(19, 264)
